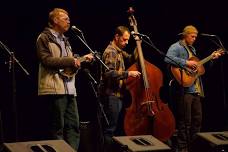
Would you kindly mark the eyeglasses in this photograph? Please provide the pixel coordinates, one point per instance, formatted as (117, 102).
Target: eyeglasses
(65, 18)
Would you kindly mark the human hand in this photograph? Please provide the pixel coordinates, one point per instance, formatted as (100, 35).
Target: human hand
(192, 64)
(77, 62)
(217, 54)
(89, 57)
(134, 73)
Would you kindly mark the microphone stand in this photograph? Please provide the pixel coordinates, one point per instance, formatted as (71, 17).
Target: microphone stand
(220, 45)
(223, 81)
(94, 86)
(13, 59)
(1, 131)
(88, 73)
(11, 62)
(94, 82)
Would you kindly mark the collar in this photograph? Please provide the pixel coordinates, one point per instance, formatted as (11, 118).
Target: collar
(57, 34)
(116, 47)
(183, 43)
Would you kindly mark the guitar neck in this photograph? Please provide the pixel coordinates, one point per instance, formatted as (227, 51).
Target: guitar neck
(205, 60)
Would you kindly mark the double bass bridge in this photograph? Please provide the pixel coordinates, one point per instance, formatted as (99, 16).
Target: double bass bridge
(148, 106)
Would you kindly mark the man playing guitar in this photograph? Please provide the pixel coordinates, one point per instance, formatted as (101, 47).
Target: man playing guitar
(189, 111)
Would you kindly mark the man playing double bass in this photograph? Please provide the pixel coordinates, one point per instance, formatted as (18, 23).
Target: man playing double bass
(189, 111)
(113, 57)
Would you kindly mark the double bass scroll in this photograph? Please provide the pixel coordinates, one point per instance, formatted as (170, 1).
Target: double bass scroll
(147, 113)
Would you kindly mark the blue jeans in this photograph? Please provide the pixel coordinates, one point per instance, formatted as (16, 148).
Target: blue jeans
(112, 107)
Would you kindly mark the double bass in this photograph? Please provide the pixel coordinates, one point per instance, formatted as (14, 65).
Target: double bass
(147, 114)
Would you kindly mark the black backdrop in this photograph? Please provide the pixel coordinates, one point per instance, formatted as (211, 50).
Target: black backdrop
(22, 21)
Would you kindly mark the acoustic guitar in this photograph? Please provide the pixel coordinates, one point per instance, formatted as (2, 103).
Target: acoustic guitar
(189, 75)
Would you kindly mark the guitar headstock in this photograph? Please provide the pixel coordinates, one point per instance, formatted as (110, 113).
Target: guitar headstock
(216, 54)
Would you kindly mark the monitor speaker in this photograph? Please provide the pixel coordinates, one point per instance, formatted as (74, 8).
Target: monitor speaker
(211, 142)
(38, 146)
(142, 143)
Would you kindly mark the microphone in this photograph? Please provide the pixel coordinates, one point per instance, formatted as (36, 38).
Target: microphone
(75, 29)
(139, 34)
(208, 35)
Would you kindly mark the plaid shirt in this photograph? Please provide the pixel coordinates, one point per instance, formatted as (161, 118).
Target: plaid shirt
(114, 57)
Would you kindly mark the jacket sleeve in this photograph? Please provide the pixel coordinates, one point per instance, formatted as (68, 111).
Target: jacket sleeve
(173, 56)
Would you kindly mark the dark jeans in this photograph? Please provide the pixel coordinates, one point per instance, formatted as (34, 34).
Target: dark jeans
(63, 118)
(112, 107)
(189, 118)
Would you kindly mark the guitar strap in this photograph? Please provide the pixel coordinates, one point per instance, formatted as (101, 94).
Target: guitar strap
(190, 52)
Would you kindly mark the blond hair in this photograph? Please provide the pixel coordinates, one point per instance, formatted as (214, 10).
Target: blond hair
(189, 29)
